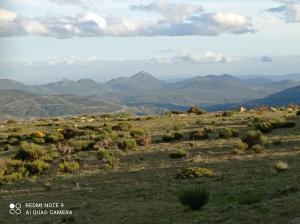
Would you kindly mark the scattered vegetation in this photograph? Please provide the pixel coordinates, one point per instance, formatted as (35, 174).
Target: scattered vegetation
(254, 138)
(178, 154)
(69, 167)
(194, 172)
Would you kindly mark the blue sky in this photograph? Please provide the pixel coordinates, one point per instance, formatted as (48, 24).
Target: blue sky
(46, 40)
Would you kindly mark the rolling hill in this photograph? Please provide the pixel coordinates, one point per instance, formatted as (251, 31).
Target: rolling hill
(15, 103)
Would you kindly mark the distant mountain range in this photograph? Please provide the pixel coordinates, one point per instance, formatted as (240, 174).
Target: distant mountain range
(141, 93)
(282, 98)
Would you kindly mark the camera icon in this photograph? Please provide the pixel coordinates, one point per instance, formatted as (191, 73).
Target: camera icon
(15, 209)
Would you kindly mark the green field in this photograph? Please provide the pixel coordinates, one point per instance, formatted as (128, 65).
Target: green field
(138, 184)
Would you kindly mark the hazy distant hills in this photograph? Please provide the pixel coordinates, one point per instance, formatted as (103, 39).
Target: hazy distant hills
(142, 93)
(15, 103)
(282, 98)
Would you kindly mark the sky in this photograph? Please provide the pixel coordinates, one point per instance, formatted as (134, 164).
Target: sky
(48, 40)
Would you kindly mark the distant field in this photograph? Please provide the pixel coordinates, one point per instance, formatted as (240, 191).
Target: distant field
(123, 177)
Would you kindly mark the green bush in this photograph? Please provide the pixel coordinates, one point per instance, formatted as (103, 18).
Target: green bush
(228, 133)
(107, 157)
(137, 133)
(81, 145)
(12, 170)
(194, 172)
(178, 135)
(257, 148)
(168, 138)
(30, 151)
(8, 147)
(69, 167)
(178, 154)
(240, 147)
(37, 167)
(122, 126)
(298, 113)
(195, 197)
(54, 137)
(198, 135)
(254, 138)
(265, 127)
(127, 144)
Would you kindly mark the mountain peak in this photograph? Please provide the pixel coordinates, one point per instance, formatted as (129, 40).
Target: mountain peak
(142, 75)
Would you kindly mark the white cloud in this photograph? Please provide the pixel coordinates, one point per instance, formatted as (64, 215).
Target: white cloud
(205, 57)
(69, 2)
(289, 12)
(170, 11)
(93, 25)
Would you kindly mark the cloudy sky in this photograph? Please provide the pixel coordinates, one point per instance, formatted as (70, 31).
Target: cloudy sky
(47, 40)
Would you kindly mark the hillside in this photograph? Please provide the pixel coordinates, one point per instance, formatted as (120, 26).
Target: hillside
(122, 168)
(23, 104)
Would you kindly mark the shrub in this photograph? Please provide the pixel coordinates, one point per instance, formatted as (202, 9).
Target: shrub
(209, 130)
(265, 127)
(105, 142)
(228, 133)
(227, 113)
(257, 148)
(281, 166)
(195, 110)
(54, 137)
(168, 138)
(194, 197)
(199, 135)
(11, 170)
(254, 138)
(8, 147)
(11, 121)
(298, 113)
(137, 133)
(122, 126)
(240, 147)
(38, 135)
(106, 157)
(81, 145)
(30, 151)
(37, 167)
(194, 172)
(103, 154)
(178, 136)
(127, 144)
(70, 132)
(69, 167)
(178, 154)
(144, 140)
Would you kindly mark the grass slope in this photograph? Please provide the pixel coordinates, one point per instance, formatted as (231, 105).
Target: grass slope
(142, 188)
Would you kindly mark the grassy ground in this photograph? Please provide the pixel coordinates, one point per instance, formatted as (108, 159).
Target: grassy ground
(142, 188)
